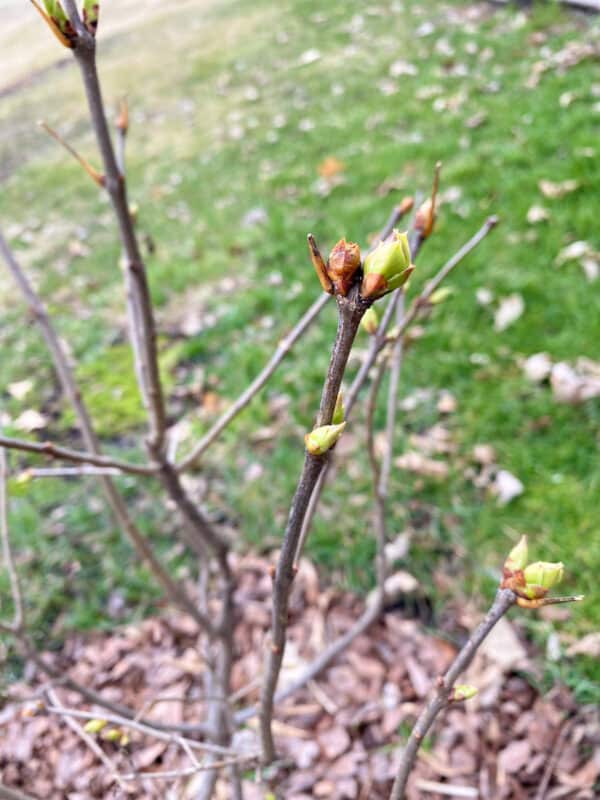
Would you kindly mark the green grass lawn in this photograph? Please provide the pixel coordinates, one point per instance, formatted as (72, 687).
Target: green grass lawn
(234, 107)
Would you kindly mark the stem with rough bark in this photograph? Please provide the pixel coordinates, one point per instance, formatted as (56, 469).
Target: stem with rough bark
(350, 310)
(441, 695)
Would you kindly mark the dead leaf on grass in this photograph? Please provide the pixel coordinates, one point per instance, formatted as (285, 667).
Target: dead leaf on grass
(508, 312)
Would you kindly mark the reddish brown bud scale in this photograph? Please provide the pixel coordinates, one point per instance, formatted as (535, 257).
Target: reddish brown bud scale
(344, 261)
(319, 265)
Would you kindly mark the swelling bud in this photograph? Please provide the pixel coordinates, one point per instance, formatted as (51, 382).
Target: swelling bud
(370, 321)
(322, 439)
(343, 262)
(517, 558)
(462, 692)
(387, 267)
(543, 574)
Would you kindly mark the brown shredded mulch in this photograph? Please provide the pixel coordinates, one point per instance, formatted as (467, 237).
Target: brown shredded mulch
(343, 731)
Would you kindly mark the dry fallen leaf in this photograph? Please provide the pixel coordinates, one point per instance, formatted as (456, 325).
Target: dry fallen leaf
(537, 214)
(413, 461)
(30, 420)
(588, 646)
(508, 312)
(506, 487)
(574, 386)
(537, 367)
(557, 190)
(20, 389)
(330, 166)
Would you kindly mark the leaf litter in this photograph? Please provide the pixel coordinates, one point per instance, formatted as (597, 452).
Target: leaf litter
(342, 731)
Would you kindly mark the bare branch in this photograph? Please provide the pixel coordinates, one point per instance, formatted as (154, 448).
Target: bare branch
(78, 456)
(73, 394)
(440, 696)
(142, 325)
(91, 171)
(186, 773)
(350, 311)
(135, 725)
(13, 794)
(7, 556)
(89, 741)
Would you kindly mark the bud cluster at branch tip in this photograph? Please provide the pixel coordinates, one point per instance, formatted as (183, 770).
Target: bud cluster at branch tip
(59, 23)
(531, 582)
(387, 267)
(336, 276)
(56, 19)
(322, 439)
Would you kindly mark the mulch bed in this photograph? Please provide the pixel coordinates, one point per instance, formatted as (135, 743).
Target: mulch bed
(343, 732)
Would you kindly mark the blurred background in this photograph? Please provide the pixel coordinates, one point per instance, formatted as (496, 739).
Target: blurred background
(253, 123)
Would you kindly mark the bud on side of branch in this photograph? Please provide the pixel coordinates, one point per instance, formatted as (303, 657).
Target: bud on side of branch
(339, 412)
(91, 12)
(462, 692)
(343, 262)
(95, 725)
(370, 321)
(387, 267)
(322, 439)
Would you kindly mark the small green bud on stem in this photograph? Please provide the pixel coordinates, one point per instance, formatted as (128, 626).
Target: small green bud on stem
(95, 725)
(462, 692)
(339, 411)
(370, 321)
(322, 439)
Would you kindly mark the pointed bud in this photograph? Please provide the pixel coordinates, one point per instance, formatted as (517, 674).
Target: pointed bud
(517, 558)
(338, 412)
(425, 218)
(440, 295)
(462, 692)
(58, 22)
(343, 262)
(320, 440)
(319, 265)
(95, 725)
(112, 735)
(91, 12)
(544, 574)
(387, 267)
(370, 321)
(426, 214)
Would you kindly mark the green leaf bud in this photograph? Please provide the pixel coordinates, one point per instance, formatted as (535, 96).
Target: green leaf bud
(322, 439)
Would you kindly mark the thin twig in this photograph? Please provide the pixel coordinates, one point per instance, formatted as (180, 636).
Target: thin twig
(13, 794)
(163, 736)
(78, 456)
(379, 341)
(186, 773)
(557, 747)
(71, 390)
(441, 694)
(91, 743)
(283, 348)
(7, 556)
(350, 310)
